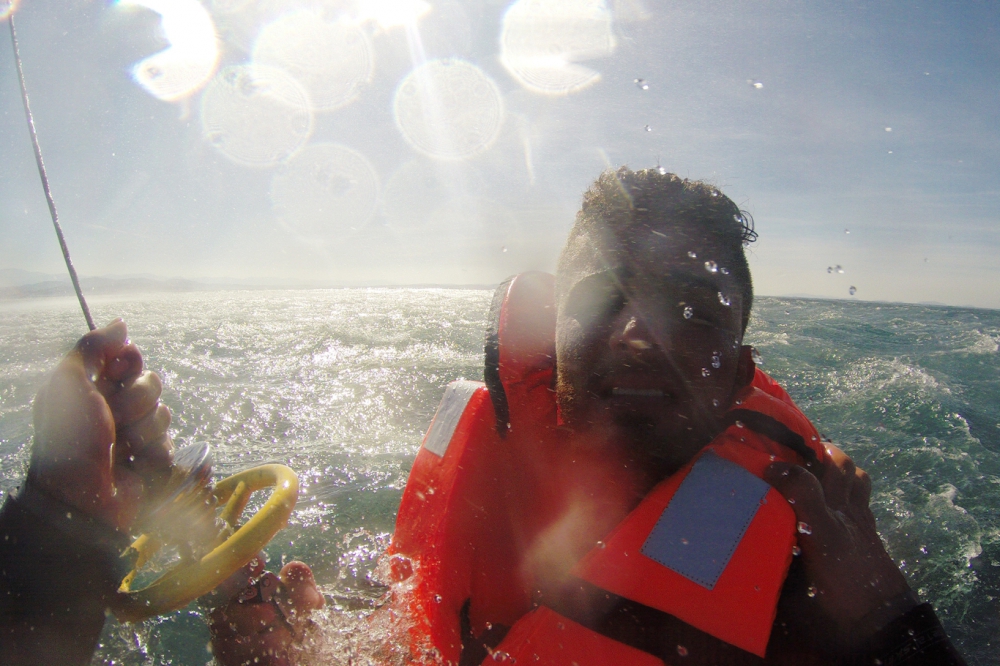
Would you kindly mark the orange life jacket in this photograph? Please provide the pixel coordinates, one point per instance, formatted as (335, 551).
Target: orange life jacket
(497, 478)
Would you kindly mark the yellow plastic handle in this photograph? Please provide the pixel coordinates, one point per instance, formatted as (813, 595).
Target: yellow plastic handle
(188, 581)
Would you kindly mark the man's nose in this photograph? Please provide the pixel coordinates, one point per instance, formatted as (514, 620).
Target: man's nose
(631, 334)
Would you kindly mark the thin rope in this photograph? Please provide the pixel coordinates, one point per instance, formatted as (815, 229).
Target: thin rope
(45, 178)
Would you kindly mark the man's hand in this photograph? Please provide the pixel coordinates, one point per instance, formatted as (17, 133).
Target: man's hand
(849, 570)
(260, 625)
(100, 431)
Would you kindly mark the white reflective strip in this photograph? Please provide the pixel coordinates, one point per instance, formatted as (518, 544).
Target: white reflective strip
(456, 397)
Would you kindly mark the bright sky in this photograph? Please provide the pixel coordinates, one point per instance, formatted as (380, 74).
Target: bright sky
(412, 141)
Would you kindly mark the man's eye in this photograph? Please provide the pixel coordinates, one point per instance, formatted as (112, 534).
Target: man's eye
(593, 305)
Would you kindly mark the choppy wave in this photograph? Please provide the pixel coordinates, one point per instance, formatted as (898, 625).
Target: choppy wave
(340, 384)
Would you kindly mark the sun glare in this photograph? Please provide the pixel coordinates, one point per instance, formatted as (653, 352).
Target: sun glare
(184, 67)
(392, 13)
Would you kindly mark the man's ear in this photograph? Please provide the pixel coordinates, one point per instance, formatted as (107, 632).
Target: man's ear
(745, 367)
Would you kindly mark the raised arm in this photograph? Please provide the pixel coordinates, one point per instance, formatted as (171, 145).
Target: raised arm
(875, 615)
(100, 443)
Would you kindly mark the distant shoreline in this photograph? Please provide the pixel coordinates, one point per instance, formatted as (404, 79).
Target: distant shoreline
(107, 286)
(125, 286)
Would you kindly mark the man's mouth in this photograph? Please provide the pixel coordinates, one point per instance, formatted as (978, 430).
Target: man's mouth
(637, 392)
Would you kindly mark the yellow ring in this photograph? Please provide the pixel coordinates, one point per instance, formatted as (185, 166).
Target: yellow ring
(186, 582)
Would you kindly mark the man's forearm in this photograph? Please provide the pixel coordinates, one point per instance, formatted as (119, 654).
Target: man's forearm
(57, 574)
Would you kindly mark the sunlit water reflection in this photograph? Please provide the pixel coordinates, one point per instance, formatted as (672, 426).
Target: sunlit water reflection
(340, 384)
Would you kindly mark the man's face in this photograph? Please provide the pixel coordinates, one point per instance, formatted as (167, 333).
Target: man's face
(648, 352)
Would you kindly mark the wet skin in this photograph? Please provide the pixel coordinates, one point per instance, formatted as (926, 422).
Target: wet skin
(101, 435)
(648, 354)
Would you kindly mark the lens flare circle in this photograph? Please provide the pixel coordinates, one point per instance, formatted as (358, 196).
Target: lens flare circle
(542, 41)
(184, 67)
(255, 115)
(331, 60)
(448, 109)
(324, 191)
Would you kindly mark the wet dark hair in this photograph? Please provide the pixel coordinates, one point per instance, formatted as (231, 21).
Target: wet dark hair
(623, 201)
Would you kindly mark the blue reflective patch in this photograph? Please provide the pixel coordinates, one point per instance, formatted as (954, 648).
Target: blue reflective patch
(706, 519)
(452, 406)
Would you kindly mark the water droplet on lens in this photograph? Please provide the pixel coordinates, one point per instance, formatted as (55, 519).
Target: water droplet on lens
(503, 249)
(692, 254)
(648, 128)
(804, 528)
(724, 299)
(688, 312)
(715, 402)
(705, 372)
(811, 591)
(641, 84)
(711, 266)
(489, 625)
(839, 269)
(437, 598)
(601, 544)
(660, 170)
(724, 270)
(738, 424)
(682, 651)
(755, 356)
(796, 551)
(853, 290)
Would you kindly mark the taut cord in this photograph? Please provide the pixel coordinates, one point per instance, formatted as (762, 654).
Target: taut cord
(45, 178)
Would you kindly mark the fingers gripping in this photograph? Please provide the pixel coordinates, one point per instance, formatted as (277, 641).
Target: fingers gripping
(805, 493)
(102, 348)
(838, 479)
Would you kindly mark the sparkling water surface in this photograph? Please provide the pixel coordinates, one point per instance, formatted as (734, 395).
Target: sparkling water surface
(340, 385)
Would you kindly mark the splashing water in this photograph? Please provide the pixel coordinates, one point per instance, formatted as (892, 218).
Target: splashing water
(341, 384)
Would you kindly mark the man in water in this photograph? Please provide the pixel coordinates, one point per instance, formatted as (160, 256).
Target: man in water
(652, 290)
(653, 297)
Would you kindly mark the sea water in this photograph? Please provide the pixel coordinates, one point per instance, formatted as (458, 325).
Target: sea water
(341, 384)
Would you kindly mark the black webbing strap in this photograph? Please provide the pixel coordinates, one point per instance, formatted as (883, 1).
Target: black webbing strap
(773, 429)
(491, 368)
